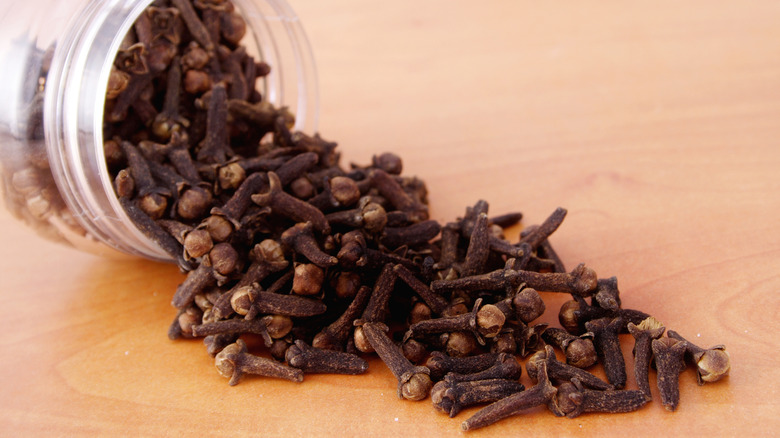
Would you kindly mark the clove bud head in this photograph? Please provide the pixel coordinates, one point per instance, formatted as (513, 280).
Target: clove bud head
(417, 387)
(528, 305)
(242, 299)
(490, 320)
(225, 360)
(374, 217)
(584, 278)
(344, 190)
(567, 316)
(713, 364)
(308, 279)
(581, 353)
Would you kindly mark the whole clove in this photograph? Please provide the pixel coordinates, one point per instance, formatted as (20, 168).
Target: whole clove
(572, 400)
(505, 367)
(334, 336)
(574, 314)
(669, 362)
(414, 382)
(605, 339)
(528, 304)
(451, 396)
(581, 281)
(579, 350)
(712, 364)
(314, 360)
(539, 394)
(557, 370)
(234, 361)
(440, 364)
(644, 334)
(290, 206)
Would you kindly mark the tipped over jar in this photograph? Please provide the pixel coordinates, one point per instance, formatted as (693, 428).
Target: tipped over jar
(65, 68)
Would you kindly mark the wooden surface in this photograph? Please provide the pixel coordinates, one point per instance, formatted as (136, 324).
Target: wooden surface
(656, 124)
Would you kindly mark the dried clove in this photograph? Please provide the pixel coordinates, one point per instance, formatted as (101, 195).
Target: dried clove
(670, 362)
(308, 279)
(644, 334)
(581, 281)
(579, 350)
(196, 281)
(300, 237)
(527, 304)
(290, 206)
(451, 396)
(607, 294)
(411, 235)
(605, 339)
(247, 300)
(435, 302)
(440, 364)
(352, 252)
(573, 399)
(505, 367)
(335, 335)
(390, 189)
(414, 382)
(575, 313)
(478, 249)
(377, 307)
(537, 395)
(561, 371)
(712, 364)
(236, 326)
(314, 360)
(234, 361)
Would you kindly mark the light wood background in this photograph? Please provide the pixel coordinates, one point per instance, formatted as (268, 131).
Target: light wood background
(656, 124)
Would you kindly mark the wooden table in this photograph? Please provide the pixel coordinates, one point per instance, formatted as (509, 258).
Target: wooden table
(657, 125)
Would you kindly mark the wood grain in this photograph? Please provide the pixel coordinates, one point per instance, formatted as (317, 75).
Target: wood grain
(655, 124)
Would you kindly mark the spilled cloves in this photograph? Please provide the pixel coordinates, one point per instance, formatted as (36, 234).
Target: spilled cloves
(327, 265)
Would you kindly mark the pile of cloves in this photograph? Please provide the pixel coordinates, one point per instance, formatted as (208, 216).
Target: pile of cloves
(317, 266)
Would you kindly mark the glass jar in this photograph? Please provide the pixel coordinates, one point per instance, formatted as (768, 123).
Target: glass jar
(55, 61)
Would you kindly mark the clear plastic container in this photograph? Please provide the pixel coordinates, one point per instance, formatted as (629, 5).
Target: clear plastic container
(55, 60)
